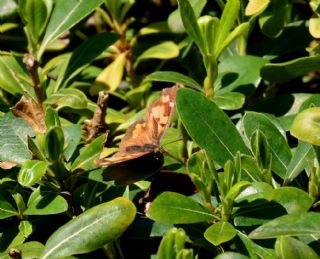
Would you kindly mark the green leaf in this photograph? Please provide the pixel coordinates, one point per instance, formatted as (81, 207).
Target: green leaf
(68, 97)
(13, 77)
(32, 249)
(164, 50)
(54, 143)
(174, 77)
(229, 101)
(303, 155)
(13, 139)
(281, 154)
(209, 127)
(190, 24)
(110, 77)
(174, 20)
(288, 247)
(231, 255)
(294, 200)
(64, 16)
(31, 172)
(314, 25)
(90, 230)
(72, 137)
(8, 9)
(86, 159)
(35, 13)
(87, 52)
(228, 18)
(286, 71)
(305, 126)
(239, 73)
(273, 19)
(307, 223)
(255, 7)
(220, 232)
(175, 208)
(255, 250)
(45, 203)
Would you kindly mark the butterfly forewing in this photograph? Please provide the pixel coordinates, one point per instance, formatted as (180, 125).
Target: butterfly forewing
(144, 136)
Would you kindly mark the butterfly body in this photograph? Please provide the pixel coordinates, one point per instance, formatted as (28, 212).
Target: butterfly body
(139, 153)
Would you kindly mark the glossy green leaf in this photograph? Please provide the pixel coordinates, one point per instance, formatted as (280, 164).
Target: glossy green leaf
(273, 19)
(13, 139)
(312, 101)
(286, 71)
(72, 138)
(87, 52)
(45, 203)
(64, 16)
(303, 155)
(54, 143)
(305, 126)
(231, 255)
(220, 232)
(281, 154)
(229, 101)
(110, 78)
(190, 24)
(52, 118)
(228, 18)
(296, 224)
(256, 191)
(294, 200)
(88, 155)
(31, 172)
(164, 50)
(175, 208)
(68, 97)
(174, 20)
(288, 247)
(14, 79)
(209, 127)
(35, 13)
(92, 229)
(255, 7)
(239, 73)
(174, 77)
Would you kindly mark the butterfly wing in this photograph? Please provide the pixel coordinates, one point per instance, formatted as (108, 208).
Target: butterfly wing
(144, 136)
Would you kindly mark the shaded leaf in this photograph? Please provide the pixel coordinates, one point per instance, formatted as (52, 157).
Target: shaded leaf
(229, 101)
(281, 154)
(45, 203)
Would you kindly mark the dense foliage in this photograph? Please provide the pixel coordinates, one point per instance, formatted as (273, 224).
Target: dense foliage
(241, 174)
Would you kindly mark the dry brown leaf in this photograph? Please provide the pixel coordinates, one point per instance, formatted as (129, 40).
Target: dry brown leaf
(7, 165)
(32, 113)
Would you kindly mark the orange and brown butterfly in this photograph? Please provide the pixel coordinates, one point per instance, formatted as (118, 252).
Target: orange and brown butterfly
(139, 154)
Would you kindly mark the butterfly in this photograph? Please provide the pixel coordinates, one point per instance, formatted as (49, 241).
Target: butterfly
(139, 154)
